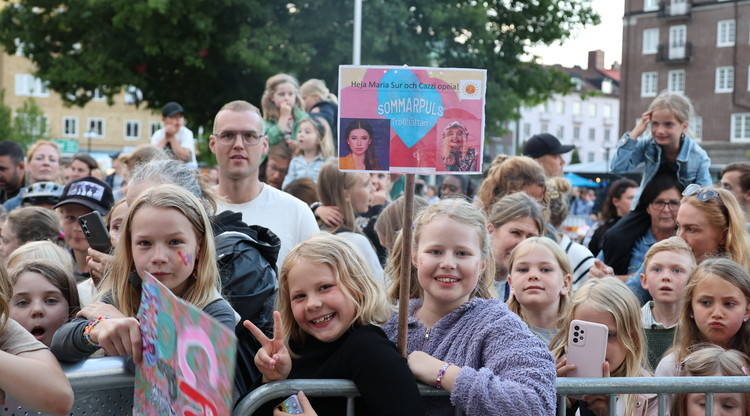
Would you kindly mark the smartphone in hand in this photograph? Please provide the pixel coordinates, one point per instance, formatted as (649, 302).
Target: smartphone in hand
(587, 348)
(95, 231)
(291, 405)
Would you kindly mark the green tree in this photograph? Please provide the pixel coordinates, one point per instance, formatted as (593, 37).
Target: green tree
(204, 53)
(6, 125)
(30, 123)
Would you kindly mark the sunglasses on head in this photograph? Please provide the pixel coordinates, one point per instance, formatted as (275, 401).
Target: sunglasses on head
(701, 194)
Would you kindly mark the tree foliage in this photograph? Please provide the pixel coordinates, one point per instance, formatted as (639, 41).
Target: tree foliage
(29, 125)
(204, 53)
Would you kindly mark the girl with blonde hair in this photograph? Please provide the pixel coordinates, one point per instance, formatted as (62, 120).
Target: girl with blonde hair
(330, 306)
(609, 302)
(282, 110)
(460, 337)
(167, 234)
(540, 285)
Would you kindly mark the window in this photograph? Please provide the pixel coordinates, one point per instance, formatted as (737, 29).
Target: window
(560, 107)
(725, 30)
(592, 110)
(576, 132)
(577, 83)
(740, 127)
(590, 157)
(98, 96)
(696, 126)
(154, 126)
(650, 5)
(677, 42)
(607, 134)
(133, 95)
(607, 86)
(70, 126)
(607, 110)
(724, 79)
(95, 128)
(576, 108)
(650, 41)
(544, 128)
(676, 81)
(561, 132)
(649, 84)
(132, 130)
(34, 126)
(31, 86)
(592, 134)
(545, 107)
(526, 129)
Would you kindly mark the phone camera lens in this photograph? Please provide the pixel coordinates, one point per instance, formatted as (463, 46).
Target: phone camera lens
(575, 340)
(575, 334)
(576, 327)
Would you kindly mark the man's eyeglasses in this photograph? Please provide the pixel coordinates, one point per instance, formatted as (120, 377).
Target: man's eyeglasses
(701, 194)
(249, 137)
(659, 205)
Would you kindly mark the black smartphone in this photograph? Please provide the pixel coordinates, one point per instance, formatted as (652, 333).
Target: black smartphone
(95, 231)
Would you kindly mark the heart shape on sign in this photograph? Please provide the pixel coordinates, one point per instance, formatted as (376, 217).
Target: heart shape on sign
(412, 108)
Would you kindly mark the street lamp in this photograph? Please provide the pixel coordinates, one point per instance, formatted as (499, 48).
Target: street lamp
(88, 135)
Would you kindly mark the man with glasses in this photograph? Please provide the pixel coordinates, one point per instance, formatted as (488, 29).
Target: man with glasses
(239, 144)
(175, 138)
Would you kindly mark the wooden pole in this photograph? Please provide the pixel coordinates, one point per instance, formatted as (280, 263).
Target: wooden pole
(405, 277)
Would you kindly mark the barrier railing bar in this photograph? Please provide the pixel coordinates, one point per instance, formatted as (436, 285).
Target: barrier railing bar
(98, 374)
(710, 404)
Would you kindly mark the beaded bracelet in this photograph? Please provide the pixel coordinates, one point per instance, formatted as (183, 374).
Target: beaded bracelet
(441, 374)
(90, 327)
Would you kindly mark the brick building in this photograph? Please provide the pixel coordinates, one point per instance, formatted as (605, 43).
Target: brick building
(700, 48)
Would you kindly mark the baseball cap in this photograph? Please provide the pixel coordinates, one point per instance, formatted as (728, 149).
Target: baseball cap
(172, 108)
(455, 124)
(544, 144)
(89, 192)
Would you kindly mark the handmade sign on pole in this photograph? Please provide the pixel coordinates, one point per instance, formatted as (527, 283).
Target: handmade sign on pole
(188, 358)
(411, 119)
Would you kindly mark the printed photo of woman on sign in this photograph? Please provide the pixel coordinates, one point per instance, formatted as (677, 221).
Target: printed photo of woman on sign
(364, 144)
(458, 155)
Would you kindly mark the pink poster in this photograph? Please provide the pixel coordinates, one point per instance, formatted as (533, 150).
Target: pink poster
(188, 358)
(411, 119)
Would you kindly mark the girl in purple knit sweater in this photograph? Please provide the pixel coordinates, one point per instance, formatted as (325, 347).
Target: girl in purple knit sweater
(461, 338)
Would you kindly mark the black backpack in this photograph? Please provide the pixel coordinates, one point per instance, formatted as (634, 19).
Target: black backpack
(247, 266)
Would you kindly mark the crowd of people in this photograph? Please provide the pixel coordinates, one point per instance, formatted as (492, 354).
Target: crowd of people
(304, 263)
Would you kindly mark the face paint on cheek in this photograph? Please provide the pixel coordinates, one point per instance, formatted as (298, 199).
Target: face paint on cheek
(186, 258)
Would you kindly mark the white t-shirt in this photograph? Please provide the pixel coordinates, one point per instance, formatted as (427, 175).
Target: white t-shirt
(184, 138)
(288, 217)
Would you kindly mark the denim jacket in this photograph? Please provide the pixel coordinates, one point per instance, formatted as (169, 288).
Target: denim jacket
(692, 161)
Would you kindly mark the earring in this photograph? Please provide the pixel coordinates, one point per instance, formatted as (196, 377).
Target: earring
(194, 273)
(691, 316)
(744, 319)
(682, 136)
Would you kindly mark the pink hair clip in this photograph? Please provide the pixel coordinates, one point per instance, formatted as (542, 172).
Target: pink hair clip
(744, 371)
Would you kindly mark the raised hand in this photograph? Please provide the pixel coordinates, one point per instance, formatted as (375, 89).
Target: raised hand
(642, 125)
(272, 359)
(599, 403)
(119, 336)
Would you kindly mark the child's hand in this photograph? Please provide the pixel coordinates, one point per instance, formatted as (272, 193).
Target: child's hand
(97, 262)
(273, 359)
(642, 125)
(426, 368)
(291, 144)
(563, 368)
(119, 336)
(307, 408)
(599, 403)
(331, 216)
(599, 269)
(97, 309)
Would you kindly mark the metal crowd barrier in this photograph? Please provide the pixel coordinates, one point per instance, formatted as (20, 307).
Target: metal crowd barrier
(102, 386)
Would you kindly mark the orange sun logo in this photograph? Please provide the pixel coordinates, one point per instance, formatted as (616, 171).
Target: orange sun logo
(470, 89)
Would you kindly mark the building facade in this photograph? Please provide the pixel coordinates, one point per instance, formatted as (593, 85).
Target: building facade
(700, 48)
(97, 128)
(586, 118)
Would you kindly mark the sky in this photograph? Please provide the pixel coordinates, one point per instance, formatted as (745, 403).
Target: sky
(606, 36)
